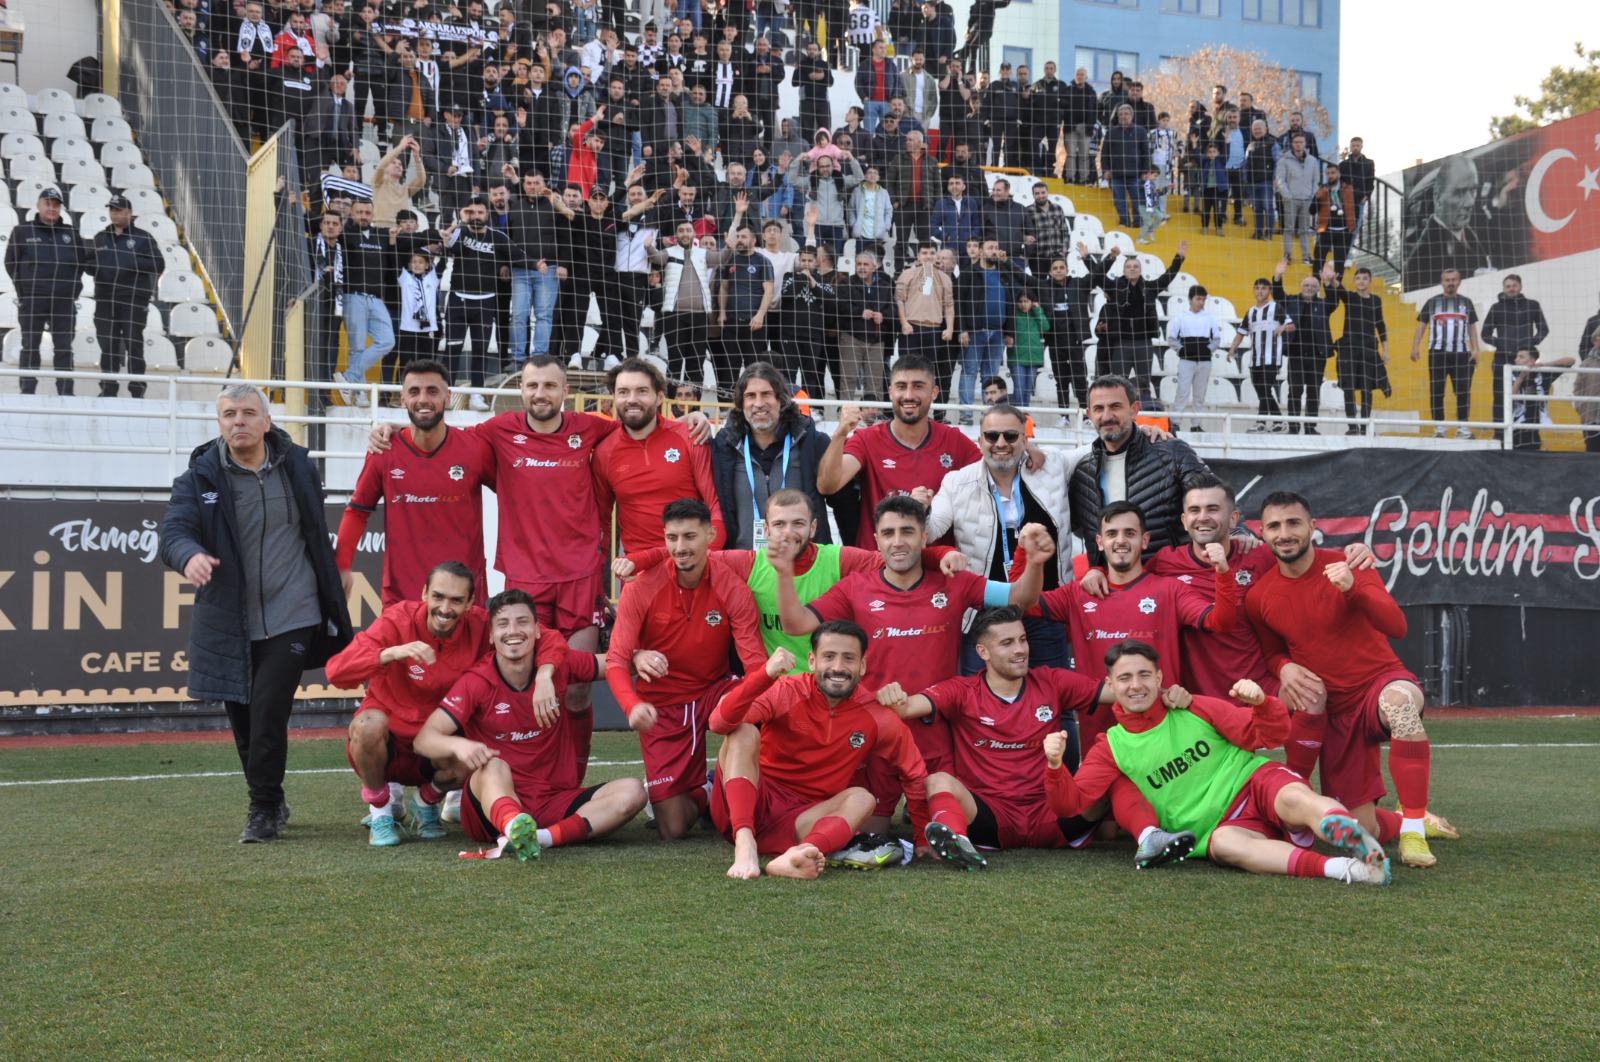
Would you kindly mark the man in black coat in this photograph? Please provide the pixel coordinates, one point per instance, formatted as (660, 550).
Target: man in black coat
(127, 261)
(1130, 319)
(245, 526)
(43, 259)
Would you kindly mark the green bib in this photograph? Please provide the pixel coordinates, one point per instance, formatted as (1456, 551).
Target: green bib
(1188, 771)
(810, 586)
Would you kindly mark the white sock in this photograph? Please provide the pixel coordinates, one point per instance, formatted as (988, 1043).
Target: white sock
(1146, 832)
(380, 811)
(544, 838)
(1338, 867)
(1413, 826)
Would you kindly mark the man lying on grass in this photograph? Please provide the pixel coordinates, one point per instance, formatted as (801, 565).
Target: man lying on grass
(519, 753)
(1192, 758)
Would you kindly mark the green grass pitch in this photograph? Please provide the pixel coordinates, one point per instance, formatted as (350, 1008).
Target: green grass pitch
(135, 927)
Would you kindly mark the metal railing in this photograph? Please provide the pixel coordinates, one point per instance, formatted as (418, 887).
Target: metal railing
(1379, 227)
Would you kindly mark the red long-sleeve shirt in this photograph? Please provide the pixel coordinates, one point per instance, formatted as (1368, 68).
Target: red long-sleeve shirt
(692, 628)
(813, 750)
(408, 691)
(640, 476)
(1265, 726)
(1343, 638)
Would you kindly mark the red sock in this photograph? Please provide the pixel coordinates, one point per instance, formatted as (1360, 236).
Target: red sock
(1388, 822)
(503, 811)
(1306, 730)
(698, 795)
(376, 797)
(830, 834)
(1129, 807)
(582, 725)
(740, 793)
(945, 808)
(1304, 863)
(570, 830)
(1408, 766)
(428, 794)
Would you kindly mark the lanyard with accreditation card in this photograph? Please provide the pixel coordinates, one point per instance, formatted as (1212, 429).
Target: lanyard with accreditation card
(759, 532)
(1001, 508)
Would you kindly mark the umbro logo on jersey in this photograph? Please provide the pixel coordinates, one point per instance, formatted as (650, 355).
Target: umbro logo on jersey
(945, 460)
(574, 441)
(1043, 713)
(209, 497)
(1186, 579)
(939, 600)
(876, 605)
(397, 473)
(857, 739)
(672, 456)
(458, 473)
(713, 618)
(417, 671)
(502, 708)
(1147, 605)
(888, 462)
(519, 439)
(1242, 577)
(986, 720)
(1090, 606)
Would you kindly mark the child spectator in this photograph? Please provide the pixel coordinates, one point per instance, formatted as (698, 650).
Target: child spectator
(418, 334)
(1027, 347)
(1212, 186)
(1151, 202)
(1531, 415)
(1194, 334)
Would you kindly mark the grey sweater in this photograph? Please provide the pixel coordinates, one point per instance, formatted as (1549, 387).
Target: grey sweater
(280, 585)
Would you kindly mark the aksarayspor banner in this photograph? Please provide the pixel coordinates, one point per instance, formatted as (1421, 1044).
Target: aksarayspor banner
(1450, 528)
(90, 615)
(1528, 198)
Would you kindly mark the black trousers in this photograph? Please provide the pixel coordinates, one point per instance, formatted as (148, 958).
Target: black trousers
(1457, 368)
(1264, 378)
(925, 340)
(911, 218)
(322, 353)
(35, 314)
(685, 334)
(410, 347)
(805, 358)
(261, 724)
(1498, 367)
(1043, 141)
(736, 348)
(119, 326)
(1334, 242)
(1305, 375)
(1072, 368)
(622, 300)
(463, 319)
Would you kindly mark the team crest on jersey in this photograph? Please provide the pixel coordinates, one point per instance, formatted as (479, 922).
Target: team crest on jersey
(574, 441)
(939, 600)
(1043, 713)
(458, 472)
(857, 739)
(397, 473)
(1242, 577)
(945, 460)
(672, 456)
(1090, 606)
(1147, 605)
(876, 605)
(519, 439)
(713, 618)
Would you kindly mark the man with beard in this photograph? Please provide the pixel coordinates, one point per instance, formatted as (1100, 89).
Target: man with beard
(650, 462)
(675, 627)
(1325, 629)
(483, 258)
(686, 270)
(519, 762)
(791, 788)
(745, 291)
(431, 483)
(409, 658)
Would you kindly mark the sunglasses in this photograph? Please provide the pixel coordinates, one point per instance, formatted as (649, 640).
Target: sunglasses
(1010, 435)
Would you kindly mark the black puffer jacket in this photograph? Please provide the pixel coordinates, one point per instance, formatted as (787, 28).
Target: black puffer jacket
(200, 518)
(1514, 323)
(1155, 473)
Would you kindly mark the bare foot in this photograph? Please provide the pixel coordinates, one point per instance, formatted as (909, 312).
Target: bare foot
(802, 861)
(746, 862)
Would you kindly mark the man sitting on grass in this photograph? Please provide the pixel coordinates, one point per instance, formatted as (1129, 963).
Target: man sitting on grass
(518, 755)
(1191, 757)
(790, 788)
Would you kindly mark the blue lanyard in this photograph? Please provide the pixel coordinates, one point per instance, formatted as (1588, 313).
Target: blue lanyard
(749, 470)
(1005, 525)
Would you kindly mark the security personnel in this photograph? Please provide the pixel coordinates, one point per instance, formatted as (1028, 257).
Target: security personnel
(44, 259)
(126, 264)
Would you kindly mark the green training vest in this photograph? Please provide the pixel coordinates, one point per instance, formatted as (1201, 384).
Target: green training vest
(810, 586)
(1188, 771)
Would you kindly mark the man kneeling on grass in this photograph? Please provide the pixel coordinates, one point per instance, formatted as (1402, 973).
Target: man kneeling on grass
(518, 753)
(1191, 757)
(791, 789)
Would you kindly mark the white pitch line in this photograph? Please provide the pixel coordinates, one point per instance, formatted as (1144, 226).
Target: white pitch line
(234, 774)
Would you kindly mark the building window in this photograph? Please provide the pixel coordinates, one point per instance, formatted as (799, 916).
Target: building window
(1203, 8)
(1017, 57)
(1102, 62)
(1304, 13)
(1310, 86)
(1129, 5)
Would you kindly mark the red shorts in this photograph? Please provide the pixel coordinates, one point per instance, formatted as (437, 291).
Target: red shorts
(1351, 750)
(404, 765)
(1255, 808)
(545, 806)
(933, 741)
(1002, 825)
(569, 606)
(777, 811)
(675, 748)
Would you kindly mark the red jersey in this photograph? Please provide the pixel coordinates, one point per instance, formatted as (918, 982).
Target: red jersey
(434, 510)
(996, 743)
(489, 710)
(1215, 660)
(408, 691)
(889, 466)
(550, 528)
(1342, 638)
(813, 750)
(1265, 726)
(641, 476)
(1152, 608)
(692, 628)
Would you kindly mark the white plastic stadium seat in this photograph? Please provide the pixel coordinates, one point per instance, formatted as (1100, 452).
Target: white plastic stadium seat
(193, 319)
(8, 310)
(88, 197)
(13, 96)
(81, 171)
(91, 222)
(153, 324)
(28, 191)
(1087, 227)
(146, 202)
(132, 175)
(1120, 240)
(13, 120)
(59, 125)
(105, 129)
(1151, 267)
(174, 254)
(1061, 201)
(1182, 282)
(11, 347)
(180, 286)
(160, 226)
(55, 101)
(85, 350)
(83, 320)
(14, 145)
(117, 151)
(99, 105)
(207, 354)
(159, 353)
(24, 166)
(1221, 309)
(71, 147)
(1221, 391)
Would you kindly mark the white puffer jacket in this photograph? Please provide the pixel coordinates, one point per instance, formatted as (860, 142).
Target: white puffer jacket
(964, 502)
